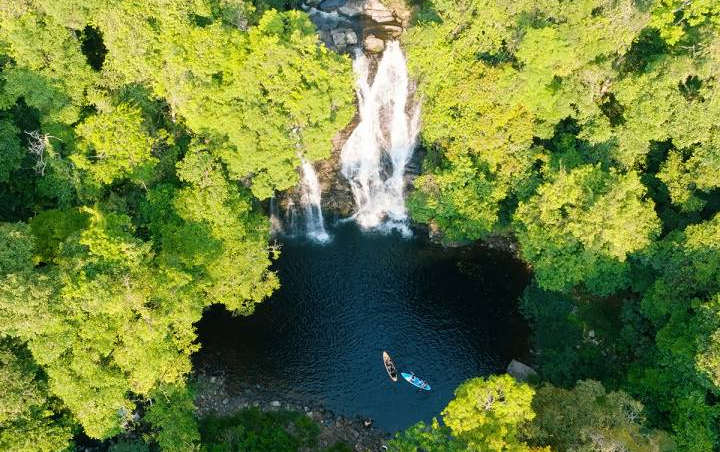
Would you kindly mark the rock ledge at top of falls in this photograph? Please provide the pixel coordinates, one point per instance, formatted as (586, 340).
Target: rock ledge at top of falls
(344, 24)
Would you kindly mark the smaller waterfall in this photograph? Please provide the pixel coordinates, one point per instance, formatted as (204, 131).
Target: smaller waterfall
(276, 225)
(310, 200)
(377, 151)
(291, 217)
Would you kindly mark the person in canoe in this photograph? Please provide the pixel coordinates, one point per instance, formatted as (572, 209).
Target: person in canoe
(415, 381)
(390, 366)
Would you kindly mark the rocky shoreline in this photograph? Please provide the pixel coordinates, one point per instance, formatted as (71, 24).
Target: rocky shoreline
(214, 396)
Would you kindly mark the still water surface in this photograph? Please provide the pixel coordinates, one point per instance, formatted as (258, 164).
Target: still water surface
(447, 315)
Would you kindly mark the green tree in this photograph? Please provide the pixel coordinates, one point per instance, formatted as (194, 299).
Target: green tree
(30, 420)
(426, 437)
(12, 153)
(582, 226)
(114, 145)
(266, 96)
(172, 417)
(587, 418)
(487, 414)
(680, 21)
(156, 126)
(676, 377)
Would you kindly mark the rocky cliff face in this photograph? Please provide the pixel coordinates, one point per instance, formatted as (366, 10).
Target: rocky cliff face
(344, 25)
(347, 26)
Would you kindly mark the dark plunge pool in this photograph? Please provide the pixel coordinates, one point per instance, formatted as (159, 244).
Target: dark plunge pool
(447, 315)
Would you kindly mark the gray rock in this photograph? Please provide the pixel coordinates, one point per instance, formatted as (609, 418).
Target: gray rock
(373, 44)
(338, 38)
(351, 38)
(326, 38)
(349, 11)
(314, 3)
(329, 5)
(377, 12)
(323, 20)
(520, 371)
(386, 31)
(381, 16)
(275, 404)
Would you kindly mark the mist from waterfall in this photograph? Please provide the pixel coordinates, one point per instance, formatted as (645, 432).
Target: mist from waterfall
(310, 198)
(376, 153)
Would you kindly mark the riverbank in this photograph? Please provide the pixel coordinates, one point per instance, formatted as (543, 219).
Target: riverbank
(213, 396)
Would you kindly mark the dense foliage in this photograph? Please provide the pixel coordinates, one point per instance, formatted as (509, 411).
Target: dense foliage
(249, 430)
(136, 140)
(138, 137)
(589, 130)
(500, 414)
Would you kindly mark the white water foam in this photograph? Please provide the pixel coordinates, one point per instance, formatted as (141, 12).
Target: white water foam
(376, 153)
(310, 198)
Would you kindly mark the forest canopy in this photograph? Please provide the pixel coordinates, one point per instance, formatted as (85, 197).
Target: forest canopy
(588, 130)
(138, 139)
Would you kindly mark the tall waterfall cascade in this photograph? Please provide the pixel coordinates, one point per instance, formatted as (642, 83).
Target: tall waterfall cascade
(376, 153)
(310, 198)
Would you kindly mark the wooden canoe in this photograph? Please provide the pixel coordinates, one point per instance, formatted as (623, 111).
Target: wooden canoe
(390, 367)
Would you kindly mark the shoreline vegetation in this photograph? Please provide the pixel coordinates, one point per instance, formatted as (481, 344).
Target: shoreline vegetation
(213, 397)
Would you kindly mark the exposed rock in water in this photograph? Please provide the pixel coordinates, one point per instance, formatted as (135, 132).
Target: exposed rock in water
(520, 371)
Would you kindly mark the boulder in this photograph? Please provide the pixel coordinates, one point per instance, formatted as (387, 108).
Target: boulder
(389, 31)
(349, 11)
(338, 38)
(323, 20)
(373, 44)
(381, 17)
(330, 5)
(377, 12)
(326, 37)
(275, 404)
(520, 371)
(351, 38)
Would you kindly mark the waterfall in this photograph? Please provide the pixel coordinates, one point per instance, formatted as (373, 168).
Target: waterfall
(310, 199)
(376, 153)
(291, 216)
(276, 226)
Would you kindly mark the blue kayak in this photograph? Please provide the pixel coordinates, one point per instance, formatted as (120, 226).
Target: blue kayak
(415, 381)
